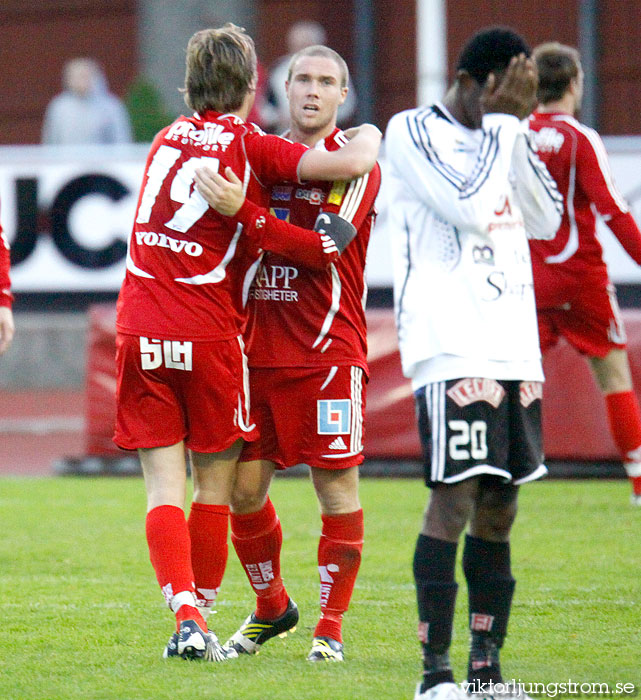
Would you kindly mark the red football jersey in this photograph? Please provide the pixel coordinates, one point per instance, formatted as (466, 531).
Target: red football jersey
(6, 298)
(188, 268)
(576, 158)
(308, 318)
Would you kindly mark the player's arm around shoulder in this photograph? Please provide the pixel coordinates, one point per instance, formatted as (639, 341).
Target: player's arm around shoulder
(315, 248)
(355, 159)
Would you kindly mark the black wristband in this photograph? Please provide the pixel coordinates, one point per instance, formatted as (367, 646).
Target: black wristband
(342, 232)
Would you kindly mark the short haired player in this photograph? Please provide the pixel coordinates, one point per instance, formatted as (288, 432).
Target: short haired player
(307, 348)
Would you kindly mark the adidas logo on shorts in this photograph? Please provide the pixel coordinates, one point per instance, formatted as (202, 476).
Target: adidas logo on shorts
(338, 444)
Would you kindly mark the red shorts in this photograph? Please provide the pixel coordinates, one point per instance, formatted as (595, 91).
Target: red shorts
(168, 391)
(308, 416)
(587, 315)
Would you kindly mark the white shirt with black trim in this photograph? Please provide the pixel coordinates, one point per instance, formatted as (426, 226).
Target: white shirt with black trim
(460, 203)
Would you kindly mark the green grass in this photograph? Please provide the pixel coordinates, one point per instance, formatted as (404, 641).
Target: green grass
(83, 617)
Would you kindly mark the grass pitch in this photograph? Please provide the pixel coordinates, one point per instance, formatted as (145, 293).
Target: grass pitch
(84, 619)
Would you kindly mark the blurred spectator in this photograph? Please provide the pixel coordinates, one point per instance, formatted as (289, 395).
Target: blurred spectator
(275, 112)
(85, 112)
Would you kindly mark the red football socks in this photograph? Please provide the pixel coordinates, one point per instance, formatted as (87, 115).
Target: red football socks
(208, 527)
(170, 555)
(257, 538)
(339, 558)
(625, 421)
(625, 424)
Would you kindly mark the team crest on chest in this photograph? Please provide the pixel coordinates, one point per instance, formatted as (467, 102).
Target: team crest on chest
(280, 213)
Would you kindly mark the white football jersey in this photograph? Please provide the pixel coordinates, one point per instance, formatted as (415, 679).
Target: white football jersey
(460, 203)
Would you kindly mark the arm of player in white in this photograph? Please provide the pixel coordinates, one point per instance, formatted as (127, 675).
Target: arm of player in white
(539, 198)
(429, 166)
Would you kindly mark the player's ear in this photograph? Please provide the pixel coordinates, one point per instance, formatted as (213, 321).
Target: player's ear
(465, 80)
(344, 91)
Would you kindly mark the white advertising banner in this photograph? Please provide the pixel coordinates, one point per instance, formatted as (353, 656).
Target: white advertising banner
(68, 212)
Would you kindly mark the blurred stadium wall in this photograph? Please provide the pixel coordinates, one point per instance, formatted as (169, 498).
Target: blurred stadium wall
(134, 38)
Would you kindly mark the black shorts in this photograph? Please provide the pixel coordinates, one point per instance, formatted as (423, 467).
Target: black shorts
(472, 427)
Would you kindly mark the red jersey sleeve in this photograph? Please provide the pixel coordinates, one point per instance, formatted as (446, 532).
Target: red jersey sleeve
(272, 158)
(595, 179)
(309, 248)
(354, 200)
(6, 298)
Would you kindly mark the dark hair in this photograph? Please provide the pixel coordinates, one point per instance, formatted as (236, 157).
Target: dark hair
(557, 65)
(490, 50)
(221, 69)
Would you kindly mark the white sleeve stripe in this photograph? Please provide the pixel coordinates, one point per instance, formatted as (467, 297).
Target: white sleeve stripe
(602, 159)
(468, 187)
(487, 160)
(341, 139)
(423, 143)
(546, 179)
(353, 198)
(487, 154)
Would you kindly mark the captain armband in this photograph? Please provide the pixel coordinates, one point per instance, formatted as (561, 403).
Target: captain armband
(340, 231)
